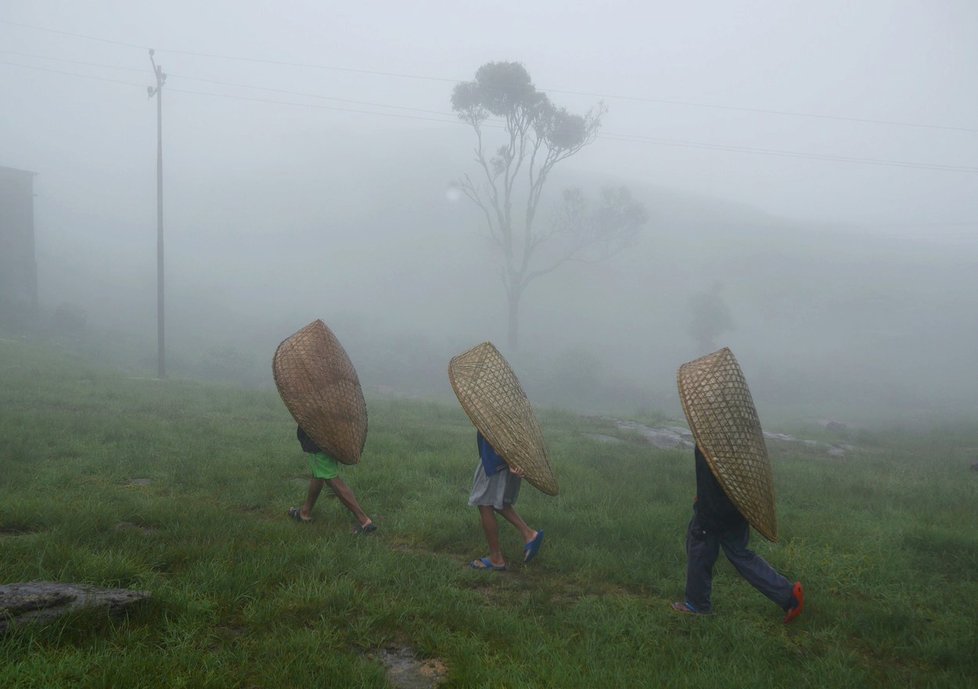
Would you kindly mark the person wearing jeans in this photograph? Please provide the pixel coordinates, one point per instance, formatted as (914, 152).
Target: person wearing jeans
(716, 524)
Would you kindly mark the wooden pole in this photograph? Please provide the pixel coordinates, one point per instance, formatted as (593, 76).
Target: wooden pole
(160, 314)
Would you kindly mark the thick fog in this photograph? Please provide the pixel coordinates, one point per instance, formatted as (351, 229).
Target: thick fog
(809, 171)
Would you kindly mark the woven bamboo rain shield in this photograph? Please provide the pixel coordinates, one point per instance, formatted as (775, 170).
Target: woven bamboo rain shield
(320, 388)
(491, 395)
(723, 419)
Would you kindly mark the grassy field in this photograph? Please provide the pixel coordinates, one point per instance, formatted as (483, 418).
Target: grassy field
(181, 489)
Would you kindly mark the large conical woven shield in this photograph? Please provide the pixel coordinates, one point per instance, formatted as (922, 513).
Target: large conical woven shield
(723, 419)
(491, 395)
(320, 388)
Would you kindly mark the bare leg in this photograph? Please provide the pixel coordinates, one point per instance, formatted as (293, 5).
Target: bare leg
(487, 515)
(512, 516)
(315, 487)
(349, 500)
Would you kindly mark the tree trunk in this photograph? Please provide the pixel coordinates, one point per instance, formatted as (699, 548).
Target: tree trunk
(513, 303)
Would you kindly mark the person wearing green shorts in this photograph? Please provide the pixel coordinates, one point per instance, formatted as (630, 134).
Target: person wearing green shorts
(325, 471)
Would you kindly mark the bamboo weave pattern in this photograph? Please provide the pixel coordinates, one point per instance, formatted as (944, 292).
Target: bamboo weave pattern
(321, 390)
(491, 395)
(724, 422)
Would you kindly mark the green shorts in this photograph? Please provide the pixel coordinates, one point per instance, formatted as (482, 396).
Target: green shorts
(323, 466)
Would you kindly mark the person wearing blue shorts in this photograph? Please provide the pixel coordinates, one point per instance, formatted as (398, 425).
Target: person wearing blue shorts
(325, 471)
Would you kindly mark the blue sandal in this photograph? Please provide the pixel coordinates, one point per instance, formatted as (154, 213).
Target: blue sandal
(531, 549)
(484, 563)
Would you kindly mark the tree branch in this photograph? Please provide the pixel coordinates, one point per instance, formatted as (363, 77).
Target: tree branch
(538, 136)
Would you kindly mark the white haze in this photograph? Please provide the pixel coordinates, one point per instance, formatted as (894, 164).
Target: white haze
(851, 285)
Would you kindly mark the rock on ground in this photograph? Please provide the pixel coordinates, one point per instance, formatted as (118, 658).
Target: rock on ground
(41, 601)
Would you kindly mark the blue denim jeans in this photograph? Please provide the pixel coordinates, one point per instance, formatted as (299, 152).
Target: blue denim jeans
(702, 550)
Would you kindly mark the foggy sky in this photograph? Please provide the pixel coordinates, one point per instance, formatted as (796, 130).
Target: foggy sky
(337, 208)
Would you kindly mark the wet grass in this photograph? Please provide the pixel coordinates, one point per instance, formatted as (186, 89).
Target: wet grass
(180, 489)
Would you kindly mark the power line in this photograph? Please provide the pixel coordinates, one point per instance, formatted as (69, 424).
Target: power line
(786, 113)
(280, 63)
(612, 136)
(74, 35)
(253, 99)
(317, 106)
(304, 94)
(644, 139)
(72, 62)
(609, 135)
(789, 154)
(935, 223)
(307, 65)
(633, 98)
(313, 95)
(73, 74)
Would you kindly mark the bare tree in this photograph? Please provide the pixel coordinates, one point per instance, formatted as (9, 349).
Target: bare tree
(508, 188)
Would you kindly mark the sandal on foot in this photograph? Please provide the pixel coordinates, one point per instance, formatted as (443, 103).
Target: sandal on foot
(484, 563)
(296, 515)
(531, 549)
(685, 608)
(363, 530)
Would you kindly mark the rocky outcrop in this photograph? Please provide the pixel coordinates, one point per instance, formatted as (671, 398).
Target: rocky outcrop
(41, 601)
(664, 438)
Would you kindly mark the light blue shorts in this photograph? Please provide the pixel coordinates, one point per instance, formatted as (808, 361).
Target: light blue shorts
(499, 490)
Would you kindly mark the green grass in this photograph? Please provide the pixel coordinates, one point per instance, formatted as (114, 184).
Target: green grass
(180, 489)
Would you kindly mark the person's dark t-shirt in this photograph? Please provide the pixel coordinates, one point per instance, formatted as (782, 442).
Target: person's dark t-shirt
(713, 508)
(308, 444)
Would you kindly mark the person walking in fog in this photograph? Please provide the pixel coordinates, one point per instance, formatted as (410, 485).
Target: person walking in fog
(495, 488)
(717, 524)
(734, 485)
(325, 472)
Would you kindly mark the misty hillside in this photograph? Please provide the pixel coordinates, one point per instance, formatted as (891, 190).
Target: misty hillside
(826, 321)
(808, 182)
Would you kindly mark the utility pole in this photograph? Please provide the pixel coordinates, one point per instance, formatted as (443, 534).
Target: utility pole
(158, 92)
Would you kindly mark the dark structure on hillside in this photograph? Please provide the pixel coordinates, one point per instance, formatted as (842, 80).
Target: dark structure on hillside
(18, 264)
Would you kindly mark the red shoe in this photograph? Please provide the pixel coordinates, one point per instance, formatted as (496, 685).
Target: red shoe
(797, 603)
